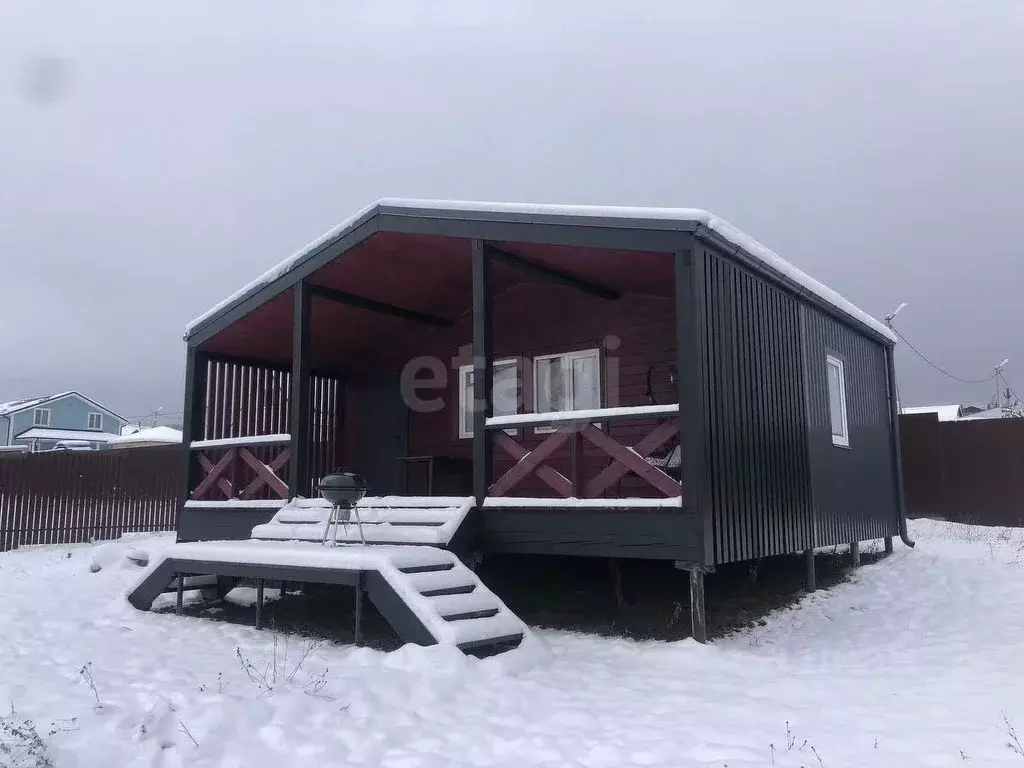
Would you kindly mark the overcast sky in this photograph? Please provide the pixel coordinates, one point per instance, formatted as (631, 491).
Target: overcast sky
(154, 158)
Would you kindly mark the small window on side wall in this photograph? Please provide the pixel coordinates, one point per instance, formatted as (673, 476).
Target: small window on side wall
(836, 372)
(95, 421)
(504, 392)
(41, 417)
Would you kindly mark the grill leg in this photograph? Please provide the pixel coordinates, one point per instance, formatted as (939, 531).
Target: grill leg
(888, 544)
(810, 576)
(855, 553)
(359, 611)
(180, 597)
(259, 604)
(359, 524)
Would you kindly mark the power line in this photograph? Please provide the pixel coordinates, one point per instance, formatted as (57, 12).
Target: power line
(937, 367)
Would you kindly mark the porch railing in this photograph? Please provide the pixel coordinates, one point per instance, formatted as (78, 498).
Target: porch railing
(574, 428)
(243, 468)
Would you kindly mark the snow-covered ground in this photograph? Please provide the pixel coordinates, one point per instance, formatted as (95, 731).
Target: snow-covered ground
(915, 661)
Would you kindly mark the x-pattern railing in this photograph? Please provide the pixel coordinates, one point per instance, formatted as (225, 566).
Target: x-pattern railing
(574, 428)
(227, 474)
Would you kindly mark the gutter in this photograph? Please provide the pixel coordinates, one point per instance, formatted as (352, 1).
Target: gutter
(901, 501)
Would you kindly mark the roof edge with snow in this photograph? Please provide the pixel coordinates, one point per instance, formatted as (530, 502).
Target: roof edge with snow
(703, 224)
(17, 406)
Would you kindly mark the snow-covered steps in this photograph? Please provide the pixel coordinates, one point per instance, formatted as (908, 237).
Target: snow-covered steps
(431, 520)
(425, 593)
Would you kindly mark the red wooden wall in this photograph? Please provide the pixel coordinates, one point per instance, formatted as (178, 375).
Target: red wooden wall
(633, 333)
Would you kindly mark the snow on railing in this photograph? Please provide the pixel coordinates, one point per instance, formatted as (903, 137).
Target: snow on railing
(521, 502)
(235, 442)
(236, 504)
(585, 416)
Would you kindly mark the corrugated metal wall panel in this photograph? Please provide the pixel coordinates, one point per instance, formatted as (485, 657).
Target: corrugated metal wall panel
(761, 477)
(854, 488)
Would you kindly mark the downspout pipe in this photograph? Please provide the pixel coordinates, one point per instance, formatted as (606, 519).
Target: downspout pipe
(901, 501)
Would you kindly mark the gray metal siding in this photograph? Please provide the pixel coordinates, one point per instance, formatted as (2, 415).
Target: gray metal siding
(197, 524)
(760, 474)
(854, 488)
(662, 533)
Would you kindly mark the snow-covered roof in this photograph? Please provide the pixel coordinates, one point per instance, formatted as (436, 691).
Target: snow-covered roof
(27, 402)
(991, 413)
(151, 435)
(566, 215)
(47, 433)
(944, 412)
(14, 406)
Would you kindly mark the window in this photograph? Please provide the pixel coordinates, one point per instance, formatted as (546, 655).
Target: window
(95, 421)
(505, 393)
(41, 417)
(837, 401)
(567, 382)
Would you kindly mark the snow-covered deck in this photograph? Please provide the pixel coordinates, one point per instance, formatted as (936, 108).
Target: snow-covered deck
(427, 594)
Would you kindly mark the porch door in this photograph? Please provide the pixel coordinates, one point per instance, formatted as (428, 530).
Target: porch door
(381, 431)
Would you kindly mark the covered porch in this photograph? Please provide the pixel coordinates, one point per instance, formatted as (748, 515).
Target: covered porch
(532, 368)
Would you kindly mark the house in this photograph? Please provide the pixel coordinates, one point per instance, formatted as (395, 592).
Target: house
(144, 438)
(943, 412)
(43, 422)
(517, 378)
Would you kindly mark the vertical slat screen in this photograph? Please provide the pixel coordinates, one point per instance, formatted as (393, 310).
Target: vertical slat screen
(249, 400)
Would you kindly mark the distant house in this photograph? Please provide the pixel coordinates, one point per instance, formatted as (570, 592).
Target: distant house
(42, 423)
(944, 412)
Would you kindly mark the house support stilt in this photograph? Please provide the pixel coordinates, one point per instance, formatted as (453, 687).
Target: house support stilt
(810, 575)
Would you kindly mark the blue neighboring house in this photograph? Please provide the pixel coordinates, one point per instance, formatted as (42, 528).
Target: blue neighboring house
(42, 423)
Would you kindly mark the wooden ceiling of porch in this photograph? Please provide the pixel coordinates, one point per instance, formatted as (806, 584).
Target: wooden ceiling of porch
(421, 273)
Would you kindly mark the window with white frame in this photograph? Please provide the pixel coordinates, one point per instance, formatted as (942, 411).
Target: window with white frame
(836, 372)
(95, 421)
(41, 417)
(567, 382)
(504, 392)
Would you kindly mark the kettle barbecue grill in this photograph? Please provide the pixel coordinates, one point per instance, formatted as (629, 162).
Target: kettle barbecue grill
(344, 490)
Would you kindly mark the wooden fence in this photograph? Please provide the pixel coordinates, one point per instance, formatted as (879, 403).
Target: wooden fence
(62, 498)
(964, 471)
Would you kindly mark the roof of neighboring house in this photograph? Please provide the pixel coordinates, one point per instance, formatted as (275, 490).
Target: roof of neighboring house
(991, 413)
(50, 433)
(152, 435)
(700, 223)
(944, 412)
(14, 406)
(27, 402)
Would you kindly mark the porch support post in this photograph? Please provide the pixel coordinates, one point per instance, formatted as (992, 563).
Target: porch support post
(483, 366)
(192, 424)
(298, 463)
(698, 622)
(694, 478)
(810, 575)
(259, 603)
(358, 631)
